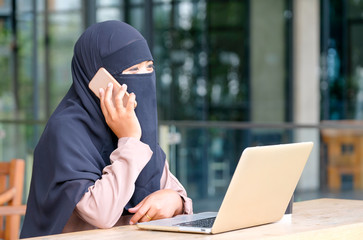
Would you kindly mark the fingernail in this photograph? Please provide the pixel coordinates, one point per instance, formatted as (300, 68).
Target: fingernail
(101, 92)
(124, 85)
(131, 223)
(109, 85)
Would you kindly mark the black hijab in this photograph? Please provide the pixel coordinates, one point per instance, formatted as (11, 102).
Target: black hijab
(76, 143)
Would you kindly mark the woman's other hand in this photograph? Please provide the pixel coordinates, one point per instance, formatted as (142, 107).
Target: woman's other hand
(121, 119)
(164, 203)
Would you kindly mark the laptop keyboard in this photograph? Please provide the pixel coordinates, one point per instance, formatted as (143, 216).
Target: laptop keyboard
(202, 223)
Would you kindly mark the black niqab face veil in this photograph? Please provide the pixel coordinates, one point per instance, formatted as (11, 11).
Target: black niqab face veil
(76, 143)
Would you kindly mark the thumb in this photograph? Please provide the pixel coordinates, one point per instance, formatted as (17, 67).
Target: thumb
(134, 209)
(137, 207)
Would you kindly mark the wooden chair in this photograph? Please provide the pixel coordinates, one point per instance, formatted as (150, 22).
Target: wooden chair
(11, 192)
(344, 152)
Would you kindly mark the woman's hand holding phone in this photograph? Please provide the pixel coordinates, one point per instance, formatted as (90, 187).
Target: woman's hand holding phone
(121, 119)
(101, 80)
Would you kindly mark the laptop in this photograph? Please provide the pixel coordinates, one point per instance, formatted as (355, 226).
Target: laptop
(259, 192)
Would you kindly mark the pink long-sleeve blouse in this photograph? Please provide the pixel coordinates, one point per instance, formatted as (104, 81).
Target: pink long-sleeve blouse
(102, 205)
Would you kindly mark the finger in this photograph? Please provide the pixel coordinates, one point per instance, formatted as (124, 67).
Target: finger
(148, 216)
(140, 213)
(136, 208)
(119, 97)
(108, 97)
(131, 102)
(102, 101)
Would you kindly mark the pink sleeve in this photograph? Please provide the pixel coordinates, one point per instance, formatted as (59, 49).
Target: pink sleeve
(169, 181)
(104, 202)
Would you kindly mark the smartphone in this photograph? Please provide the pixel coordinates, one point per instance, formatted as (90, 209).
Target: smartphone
(101, 80)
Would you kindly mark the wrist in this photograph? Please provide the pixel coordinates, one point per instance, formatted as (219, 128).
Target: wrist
(180, 209)
(135, 136)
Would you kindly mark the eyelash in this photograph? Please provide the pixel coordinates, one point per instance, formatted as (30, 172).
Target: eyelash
(136, 68)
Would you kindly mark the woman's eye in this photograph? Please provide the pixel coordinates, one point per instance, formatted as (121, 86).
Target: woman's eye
(133, 69)
(151, 66)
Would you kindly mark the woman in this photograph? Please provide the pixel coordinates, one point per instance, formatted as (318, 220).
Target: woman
(97, 162)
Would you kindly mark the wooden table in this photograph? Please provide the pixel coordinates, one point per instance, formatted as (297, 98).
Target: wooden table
(315, 219)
